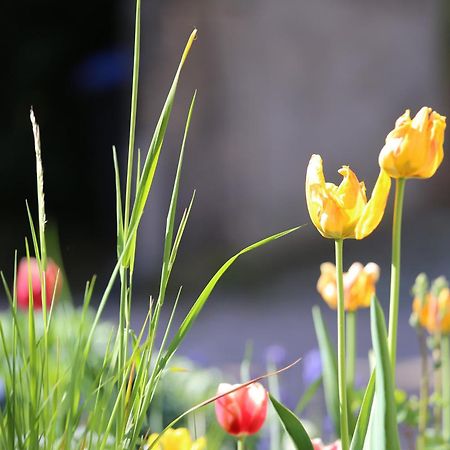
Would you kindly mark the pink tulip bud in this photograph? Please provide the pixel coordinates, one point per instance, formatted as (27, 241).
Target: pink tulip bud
(243, 411)
(52, 276)
(319, 445)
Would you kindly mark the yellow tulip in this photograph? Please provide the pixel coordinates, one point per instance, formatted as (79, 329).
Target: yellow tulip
(414, 148)
(359, 285)
(341, 212)
(177, 439)
(433, 311)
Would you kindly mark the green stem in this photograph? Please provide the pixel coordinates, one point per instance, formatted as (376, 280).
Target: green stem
(424, 391)
(341, 345)
(240, 443)
(351, 349)
(437, 362)
(395, 270)
(445, 358)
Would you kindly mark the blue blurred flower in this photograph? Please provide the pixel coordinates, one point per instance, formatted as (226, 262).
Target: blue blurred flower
(103, 70)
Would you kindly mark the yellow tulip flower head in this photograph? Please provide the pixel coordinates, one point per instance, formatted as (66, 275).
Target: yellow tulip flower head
(415, 147)
(359, 285)
(177, 439)
(341, 212)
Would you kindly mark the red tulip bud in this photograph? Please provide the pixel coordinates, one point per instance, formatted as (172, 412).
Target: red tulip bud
(241, 412)
(52, 276)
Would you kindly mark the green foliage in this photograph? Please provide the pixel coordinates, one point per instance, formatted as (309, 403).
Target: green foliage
(329, 367)
(293, 426)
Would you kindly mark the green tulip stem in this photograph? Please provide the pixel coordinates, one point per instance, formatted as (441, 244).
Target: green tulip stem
(424, 390)
(351, 349)
(437, 366)
(445, 358)
(240, 443)
(395, 270)
(339, 245)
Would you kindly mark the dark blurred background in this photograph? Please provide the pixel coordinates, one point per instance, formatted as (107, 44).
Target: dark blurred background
(277, 81)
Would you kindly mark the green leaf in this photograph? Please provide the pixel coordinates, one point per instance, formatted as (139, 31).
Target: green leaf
(203, 297)
(362, 424)
(151, 161)
(385, 429)
(293, 426)
(329, 367)
(308, 395)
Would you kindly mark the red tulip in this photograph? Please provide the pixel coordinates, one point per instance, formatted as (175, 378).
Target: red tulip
(243, 411)
(52, 276)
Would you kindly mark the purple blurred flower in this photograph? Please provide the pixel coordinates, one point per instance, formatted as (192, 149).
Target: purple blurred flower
(276, 354)
(312, 366)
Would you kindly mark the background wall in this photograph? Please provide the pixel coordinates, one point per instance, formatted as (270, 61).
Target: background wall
(277, 81)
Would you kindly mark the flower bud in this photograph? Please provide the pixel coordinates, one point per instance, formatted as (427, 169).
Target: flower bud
(27, 272)
(319, 445)
(243, 411)
(359, 285)
(414, 148)
(177, 439)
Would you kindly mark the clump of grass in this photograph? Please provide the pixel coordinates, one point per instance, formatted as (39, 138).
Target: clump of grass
(87, 387)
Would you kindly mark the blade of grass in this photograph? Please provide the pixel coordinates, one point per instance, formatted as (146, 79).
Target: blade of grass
(156, 143)
(203, 297)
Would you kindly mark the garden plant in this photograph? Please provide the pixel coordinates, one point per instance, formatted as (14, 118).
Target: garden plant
(93, 386)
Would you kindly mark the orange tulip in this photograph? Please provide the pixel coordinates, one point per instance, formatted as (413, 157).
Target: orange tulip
(359, 285)
(433, 311)
(414, 148)
(341, 212)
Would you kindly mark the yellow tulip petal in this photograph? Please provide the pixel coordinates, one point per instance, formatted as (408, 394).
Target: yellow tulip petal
(176, 439)
(349, 190)
(374, 209)
(315, 189)
(199, 444)
(152, 439)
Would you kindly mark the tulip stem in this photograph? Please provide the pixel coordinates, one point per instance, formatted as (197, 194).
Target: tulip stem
(339, 245)
(395, 270)
(445, 358)
(351, 348)
(240, 443)
(424, 390)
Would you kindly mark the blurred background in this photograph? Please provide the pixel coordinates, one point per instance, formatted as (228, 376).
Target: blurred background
(277, 82)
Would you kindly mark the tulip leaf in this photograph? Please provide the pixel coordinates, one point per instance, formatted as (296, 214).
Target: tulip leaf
(308, 395)
(329, 367)
(385, 429)
(293, 426)
(362, 424)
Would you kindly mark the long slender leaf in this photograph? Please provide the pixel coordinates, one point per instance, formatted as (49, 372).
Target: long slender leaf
(156, 143)
(203, 297)
(385, 429)
(308, 395)
(293, 426)
(329, 367)
(362, 424)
